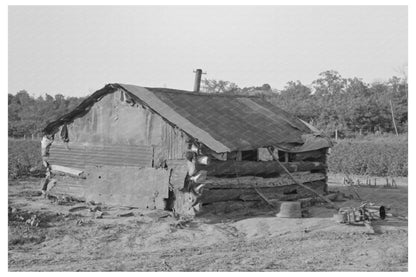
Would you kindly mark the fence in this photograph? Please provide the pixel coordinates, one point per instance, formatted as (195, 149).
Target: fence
(35, 137)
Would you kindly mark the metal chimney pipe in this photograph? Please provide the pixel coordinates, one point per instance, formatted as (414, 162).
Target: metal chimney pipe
(197, 83)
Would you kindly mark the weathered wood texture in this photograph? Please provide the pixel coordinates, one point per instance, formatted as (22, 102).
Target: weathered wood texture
(252, 181)
(67, 185)
(185, 203)
(128, 186)
(251, 168)
(247, 207)
(69, 170)
(284, 193)
(315, 155)
(120, 186)
(178, 176)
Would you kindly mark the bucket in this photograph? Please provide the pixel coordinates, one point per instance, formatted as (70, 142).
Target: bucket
(290, 210)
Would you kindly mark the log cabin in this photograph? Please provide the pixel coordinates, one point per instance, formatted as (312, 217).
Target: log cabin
(159, 148)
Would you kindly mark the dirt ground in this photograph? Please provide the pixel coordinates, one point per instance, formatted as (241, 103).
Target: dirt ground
(64, 235)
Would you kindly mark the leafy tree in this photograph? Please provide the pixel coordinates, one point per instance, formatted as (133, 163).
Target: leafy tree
(29, 115)
(329, 83)
(219, 86)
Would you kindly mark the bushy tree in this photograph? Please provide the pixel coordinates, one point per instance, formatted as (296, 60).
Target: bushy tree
(29, 115)
(219, 86)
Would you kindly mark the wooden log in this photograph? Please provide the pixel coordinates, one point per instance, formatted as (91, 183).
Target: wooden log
(199, 177)
(301, 183)
(231, 206)
(178, 176)
(260, 182)
(203, 160)
(68, 170)
(219, 195)
(184, 203)
(247, 168)
(309, 156)
(264, 197)
(250, 194)
(191, 168)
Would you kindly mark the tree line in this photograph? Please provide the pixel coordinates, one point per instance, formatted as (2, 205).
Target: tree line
(347, 106)
(28, 115)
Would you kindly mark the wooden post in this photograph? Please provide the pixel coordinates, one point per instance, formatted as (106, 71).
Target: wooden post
(239, 156)
(392, 116)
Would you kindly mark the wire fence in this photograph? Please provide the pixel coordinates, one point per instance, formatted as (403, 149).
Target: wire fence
(34, 137)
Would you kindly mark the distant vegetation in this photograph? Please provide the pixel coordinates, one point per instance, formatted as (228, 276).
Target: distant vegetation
(332, 102)
(29, 115)
(24, 158)
(371, 155)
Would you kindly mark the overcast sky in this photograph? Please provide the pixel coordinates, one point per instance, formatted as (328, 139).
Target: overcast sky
(77, 50)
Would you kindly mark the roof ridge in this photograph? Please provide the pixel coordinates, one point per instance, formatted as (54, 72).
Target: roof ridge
(206, 94)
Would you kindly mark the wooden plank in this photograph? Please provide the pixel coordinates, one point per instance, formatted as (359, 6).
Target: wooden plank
(260, 182)
(178, 175)
(261, 168)
(68, 170)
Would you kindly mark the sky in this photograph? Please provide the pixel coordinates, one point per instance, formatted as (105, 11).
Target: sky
(76, 50)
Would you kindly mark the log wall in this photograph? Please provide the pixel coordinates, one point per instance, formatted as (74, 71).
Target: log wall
(251, 168)
(282, 193)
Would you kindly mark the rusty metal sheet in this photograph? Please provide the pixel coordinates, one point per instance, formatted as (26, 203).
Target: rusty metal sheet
(68, 185)
(78, 156)
(128, 186)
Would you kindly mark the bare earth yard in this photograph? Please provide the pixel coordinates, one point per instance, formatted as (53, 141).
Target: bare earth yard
(73, 240)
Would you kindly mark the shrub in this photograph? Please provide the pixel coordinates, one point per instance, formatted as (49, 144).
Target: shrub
(24, 158)
(377, 156)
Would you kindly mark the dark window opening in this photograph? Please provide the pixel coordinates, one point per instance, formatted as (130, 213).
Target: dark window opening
(250, 155)
(290, 191)
(285, 157)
